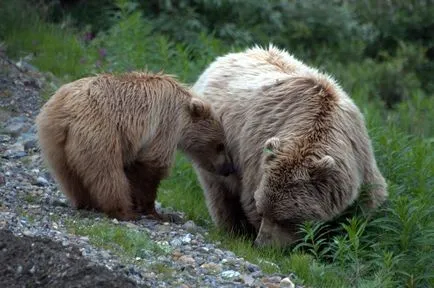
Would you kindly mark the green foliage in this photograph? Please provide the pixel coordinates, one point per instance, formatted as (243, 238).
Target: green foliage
(394, 247)
(119, 239)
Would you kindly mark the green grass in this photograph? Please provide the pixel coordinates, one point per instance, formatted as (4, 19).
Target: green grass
(116, 238)
(394, 249)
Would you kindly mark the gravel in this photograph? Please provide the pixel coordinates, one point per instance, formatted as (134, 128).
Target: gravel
(37, 246)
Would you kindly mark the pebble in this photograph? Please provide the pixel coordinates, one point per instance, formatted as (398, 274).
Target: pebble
(176, 242)
(212, 267)
(30, 144)
(186, 239)
(41, 181)
(230, 274)
(248, 279)
(33, 269)
(187, 260)
(190, 226)
(286, 282)
(252, 267)
(273, 279)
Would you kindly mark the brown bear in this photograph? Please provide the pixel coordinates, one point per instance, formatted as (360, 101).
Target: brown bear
(110, 139)
(299, 145)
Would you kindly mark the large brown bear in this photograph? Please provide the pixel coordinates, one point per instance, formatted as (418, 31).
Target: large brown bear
(109, 140)
(298, 143)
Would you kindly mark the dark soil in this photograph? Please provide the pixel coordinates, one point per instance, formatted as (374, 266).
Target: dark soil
(39, 262)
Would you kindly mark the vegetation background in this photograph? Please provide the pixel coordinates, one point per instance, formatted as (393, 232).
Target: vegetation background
(382, 53)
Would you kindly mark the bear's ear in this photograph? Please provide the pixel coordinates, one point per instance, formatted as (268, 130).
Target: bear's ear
(270, 148)
(199, 109)
(323, 167)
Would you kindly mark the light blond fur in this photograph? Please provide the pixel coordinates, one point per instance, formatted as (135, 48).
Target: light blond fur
(298, 142)
(109, 140)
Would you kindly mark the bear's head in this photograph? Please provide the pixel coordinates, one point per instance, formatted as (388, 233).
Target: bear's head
(291, 191)
(203, 140)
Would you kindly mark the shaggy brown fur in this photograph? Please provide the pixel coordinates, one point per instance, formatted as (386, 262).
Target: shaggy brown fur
(298, 142)
(109, 140)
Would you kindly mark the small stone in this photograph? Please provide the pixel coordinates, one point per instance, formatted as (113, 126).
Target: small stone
(271, 285)
(187, 260)
(230, 274)
(176, 254)
(15, 151)
(4, 138)
(84, 238)
(186, 239)
(2, 180)
(32, 270)
(115, 221)
(204, 249)
(286, 282)
(131, 225)
(176, 242)
(252, 267)
(27, 232)
(273, 279)
(212, 267)
(190, 226)
(247, 279)
(30, 145)
(19, 269)
(41, 181)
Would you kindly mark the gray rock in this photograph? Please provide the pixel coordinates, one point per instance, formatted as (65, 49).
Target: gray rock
(212, 267)
(229, 274)
(176, 242)
(187, 260)
(252, 268)
(286, 282)
(190, 226)
(2, 179)
(186, 239)
(248, 279)
(30, 145)
(41, 181)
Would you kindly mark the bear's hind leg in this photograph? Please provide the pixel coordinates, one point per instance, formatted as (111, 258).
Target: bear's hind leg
(112, 192)
(145, 179)
(71, 183)
(56, 157)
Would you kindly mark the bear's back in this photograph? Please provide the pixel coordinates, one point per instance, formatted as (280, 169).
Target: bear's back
(268, 93)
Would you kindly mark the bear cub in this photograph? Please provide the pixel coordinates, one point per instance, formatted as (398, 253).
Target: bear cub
(110, 139)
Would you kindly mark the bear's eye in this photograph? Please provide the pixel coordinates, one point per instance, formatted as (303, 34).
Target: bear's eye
(220, 147)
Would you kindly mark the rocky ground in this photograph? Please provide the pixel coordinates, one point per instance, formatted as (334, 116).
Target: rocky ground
(40, 243)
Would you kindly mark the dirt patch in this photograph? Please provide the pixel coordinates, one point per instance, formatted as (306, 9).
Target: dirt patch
(40, 262)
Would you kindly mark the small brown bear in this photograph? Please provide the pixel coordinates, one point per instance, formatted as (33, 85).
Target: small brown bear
(110, 139)
(298, 142)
